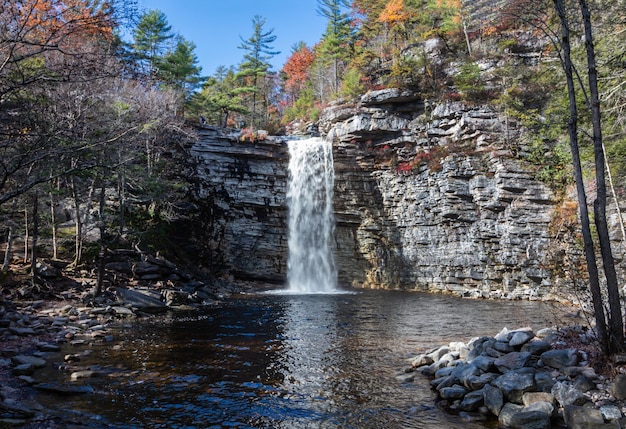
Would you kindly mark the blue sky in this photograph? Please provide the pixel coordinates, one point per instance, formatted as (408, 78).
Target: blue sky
(215, 26)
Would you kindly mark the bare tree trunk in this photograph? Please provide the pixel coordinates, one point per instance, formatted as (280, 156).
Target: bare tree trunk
(10, 236)
(102, 253)
(78, 223)
(26, 237)
(55, 247)
(33, 263)
(610, 179)
(590, 256)
(616, 325)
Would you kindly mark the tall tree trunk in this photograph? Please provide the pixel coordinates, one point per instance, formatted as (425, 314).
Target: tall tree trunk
(78, 224)
(33, 262)
(102, 253)
(10, 236)
(26, 234)
(616, 325)
(590, 256)
(55, 247)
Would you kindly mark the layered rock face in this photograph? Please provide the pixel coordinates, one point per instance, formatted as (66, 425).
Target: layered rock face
(426, 197)
(434, 199)
(242, 189)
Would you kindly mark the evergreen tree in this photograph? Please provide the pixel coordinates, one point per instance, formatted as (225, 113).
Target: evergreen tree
(179, 68)
(220, 97)
(255, 63)
(336, 40)
(152, 37)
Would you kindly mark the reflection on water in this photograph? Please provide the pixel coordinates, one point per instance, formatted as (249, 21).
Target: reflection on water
(291, 361)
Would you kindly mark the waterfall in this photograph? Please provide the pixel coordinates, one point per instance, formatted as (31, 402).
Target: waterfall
(311, 263)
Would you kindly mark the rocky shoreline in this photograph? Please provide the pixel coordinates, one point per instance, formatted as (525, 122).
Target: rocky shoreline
(524, 379)
(35, 332)
(527, 380)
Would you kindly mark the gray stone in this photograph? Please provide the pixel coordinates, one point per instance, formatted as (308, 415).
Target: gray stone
(618, 387)
(521, 337)
(64, 389)
(530, 420)
(544, 381)
(511, 361)
(493, 399)
(566, 394)
(544, 407)
(453, 392)
(560, 358)
(477, 383)
(610, 412)
(531, 397)
(582, 417)
(22, 332)
(28, 360)
(472, 401)
(503, 346)
(536, 347)
(515, 383)
(464, 372)
(422, 360)
(507, 412)
(141, 299)
(484, 363)
(583, 384)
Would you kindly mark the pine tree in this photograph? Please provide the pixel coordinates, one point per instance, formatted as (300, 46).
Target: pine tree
(255, 63)
(152, 37)
(334, 48)
(179, 68)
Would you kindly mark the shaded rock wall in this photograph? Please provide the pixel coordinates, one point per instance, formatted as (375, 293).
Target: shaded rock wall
(426, 197)
(436, 200)
(241, 189)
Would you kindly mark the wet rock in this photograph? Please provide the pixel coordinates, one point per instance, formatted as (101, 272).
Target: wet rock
(452, 393)
(78, 375)
(472, 401)
(28, 360)
(141, 299)
(64, 389)
(22, 332)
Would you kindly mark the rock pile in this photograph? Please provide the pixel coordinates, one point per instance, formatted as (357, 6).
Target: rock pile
(525, 380)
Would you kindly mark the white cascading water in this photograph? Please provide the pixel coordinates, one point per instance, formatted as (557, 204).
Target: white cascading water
(311, 264)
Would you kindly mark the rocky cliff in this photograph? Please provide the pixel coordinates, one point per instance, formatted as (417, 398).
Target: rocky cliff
(241, 187)
(426, 197)
(435, 198)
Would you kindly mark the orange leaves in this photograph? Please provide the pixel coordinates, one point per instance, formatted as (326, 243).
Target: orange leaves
(51, 21)
(297, 69)
(394, 13)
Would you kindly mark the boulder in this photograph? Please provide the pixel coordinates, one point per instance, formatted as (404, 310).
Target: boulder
(560, 358)
(493, 399)
(521, 337)
(582, 417)
(530, 420)
(618, 387)
(567, 394)
(511, 361)
(515, 383)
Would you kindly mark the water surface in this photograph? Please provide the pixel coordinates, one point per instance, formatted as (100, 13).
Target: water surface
(288, 361)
